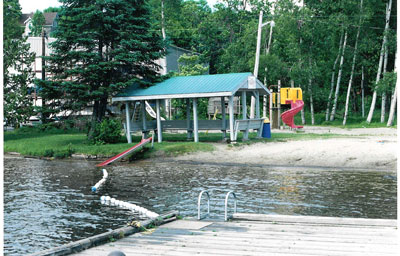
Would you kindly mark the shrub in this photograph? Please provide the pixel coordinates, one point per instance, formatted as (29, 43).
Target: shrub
(108, 131)
(65, 153)
(48, 153)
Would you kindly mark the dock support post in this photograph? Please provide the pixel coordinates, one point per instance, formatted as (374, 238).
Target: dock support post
(143, 108)
(244, 117)
(159, 127)
(223, 117)
(188, 125)
(128, 123)
(231, 119)
(195, 121)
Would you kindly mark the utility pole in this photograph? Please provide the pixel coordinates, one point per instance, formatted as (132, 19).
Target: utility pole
(257, 61)
(44, 36)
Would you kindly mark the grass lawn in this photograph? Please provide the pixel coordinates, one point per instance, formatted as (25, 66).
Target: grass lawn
(353, 121)
(61, 144)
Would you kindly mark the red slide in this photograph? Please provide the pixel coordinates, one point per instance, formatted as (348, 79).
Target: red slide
(288, 116)
(126, 152)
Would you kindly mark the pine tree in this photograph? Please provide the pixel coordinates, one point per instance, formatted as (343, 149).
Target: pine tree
(17, 67)
(101, 47)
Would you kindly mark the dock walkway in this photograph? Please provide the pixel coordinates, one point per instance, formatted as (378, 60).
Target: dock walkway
(258, 234)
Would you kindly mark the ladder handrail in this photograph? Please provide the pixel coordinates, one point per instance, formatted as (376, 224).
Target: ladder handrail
(226, 203)
(199, 201)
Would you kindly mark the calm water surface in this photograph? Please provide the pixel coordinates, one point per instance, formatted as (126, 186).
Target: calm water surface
(49, 203)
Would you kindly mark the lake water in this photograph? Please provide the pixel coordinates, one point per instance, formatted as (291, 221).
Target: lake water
(50, 203)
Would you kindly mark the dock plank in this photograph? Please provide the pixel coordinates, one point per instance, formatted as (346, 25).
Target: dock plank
(255, 234)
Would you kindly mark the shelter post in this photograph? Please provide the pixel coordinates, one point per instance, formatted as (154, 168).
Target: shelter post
(159, 127)
(195, 121)
(231, 119)
(223, 117)
(244, 114)
(128, 123)
(143, 108)
(257, 96)
(189, 129)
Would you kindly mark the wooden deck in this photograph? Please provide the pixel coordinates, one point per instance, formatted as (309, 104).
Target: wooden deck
(256, 234)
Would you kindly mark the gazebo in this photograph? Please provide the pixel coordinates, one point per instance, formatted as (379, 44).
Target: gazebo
(191, 88)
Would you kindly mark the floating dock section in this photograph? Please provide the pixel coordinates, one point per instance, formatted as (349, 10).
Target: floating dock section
(259, 234)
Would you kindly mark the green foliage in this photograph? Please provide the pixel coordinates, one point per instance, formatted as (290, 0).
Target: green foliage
(189, 65)
(108, 131)
(17, 67)
(36, 26)
(52, 9)
(387, 83)
(48, 153)
(305, 42)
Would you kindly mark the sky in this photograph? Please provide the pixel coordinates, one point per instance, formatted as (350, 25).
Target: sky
(29, 6)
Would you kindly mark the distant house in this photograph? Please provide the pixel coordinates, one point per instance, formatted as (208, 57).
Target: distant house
(50, 22)
(173, 54)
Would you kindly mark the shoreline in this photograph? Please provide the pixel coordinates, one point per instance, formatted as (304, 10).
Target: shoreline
(368, 148)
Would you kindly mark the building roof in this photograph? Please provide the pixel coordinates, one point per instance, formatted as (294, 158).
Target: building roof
(202, 86)
(48, 16)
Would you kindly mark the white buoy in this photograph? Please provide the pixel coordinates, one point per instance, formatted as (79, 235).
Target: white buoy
(130, 206)
(101, 182)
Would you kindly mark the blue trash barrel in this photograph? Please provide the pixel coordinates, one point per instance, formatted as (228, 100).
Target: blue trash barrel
(266, 132)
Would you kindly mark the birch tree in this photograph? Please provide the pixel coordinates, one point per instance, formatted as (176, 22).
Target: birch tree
(383, 105)
(394, 96)
(346, 109)
(378, 74)
(333, 79)
(362, 92)
(338, 80)
(310, 93)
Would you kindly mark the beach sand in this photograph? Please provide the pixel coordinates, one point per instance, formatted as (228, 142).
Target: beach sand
(370, 148)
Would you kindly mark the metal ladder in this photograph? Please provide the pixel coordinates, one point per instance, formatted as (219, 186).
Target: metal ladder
(226, 217)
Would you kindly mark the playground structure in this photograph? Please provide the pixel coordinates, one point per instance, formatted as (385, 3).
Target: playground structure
(279, 100)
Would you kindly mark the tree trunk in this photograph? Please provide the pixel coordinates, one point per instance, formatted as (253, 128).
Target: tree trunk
(162, 20)
(333, 79)
(392, 107)
(346, 108)
(394, 97)
(338, 80)
(378, 75)
(362, 92)
(303, 118)
(164, 61)
(383, 105)
(310, 93)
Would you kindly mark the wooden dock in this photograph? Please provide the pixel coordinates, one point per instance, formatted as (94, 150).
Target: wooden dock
(257, 234)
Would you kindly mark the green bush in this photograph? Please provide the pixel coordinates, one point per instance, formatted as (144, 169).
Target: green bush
(48, 153)
(108, 131)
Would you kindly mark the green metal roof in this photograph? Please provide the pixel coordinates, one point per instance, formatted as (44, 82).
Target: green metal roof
(190, 87)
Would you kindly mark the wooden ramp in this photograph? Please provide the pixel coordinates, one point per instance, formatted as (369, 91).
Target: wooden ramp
(256, 234)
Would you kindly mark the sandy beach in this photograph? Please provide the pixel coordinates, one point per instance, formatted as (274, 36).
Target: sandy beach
(372, 148)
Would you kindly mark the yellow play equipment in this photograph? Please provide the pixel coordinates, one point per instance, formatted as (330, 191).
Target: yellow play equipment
(288, 94)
